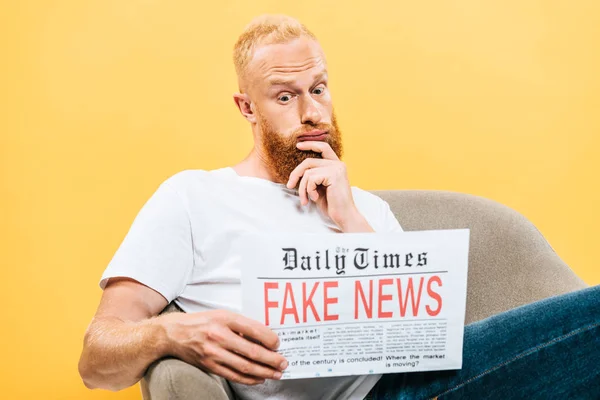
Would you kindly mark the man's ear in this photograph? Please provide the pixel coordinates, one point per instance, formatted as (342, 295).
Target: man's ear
(243, 103)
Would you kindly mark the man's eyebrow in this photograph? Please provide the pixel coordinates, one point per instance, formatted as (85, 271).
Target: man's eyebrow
(287, 82)
(280, 82)
(321, 76)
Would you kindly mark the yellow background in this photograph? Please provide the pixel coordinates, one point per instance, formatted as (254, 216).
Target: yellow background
(101, 100)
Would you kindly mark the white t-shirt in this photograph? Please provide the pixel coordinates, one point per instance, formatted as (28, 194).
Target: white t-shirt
(180, 245)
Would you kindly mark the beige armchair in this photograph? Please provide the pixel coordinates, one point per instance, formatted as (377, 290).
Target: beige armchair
(510, 264)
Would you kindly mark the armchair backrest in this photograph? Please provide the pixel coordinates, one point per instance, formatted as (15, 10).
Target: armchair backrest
(510, 262)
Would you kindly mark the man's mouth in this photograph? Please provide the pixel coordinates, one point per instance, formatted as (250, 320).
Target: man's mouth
(316, 135)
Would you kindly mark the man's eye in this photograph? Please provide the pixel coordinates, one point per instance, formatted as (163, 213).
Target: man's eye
(319, 90)
(285, 98)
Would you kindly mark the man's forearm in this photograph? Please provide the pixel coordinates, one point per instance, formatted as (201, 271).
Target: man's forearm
(357, 223)
(117, 353)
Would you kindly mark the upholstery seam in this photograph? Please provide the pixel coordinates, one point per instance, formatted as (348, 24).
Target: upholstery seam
(521, 355)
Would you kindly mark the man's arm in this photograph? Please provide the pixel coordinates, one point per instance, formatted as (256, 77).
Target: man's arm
(122, 340)
(125, 337)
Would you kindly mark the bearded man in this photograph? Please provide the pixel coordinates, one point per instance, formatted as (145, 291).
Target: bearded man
(179, 250)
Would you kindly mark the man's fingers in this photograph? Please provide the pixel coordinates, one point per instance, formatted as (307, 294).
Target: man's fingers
(311, 187)
(320, 147)
(255, 352)
(246, 366)
(232, 375)
(299, 171)
(254, 330)
(302, 188)
(308, 185)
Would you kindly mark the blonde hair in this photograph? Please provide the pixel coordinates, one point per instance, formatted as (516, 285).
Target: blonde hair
(263, 30)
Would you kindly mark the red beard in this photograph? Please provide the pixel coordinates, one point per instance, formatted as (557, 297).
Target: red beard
(281, 154)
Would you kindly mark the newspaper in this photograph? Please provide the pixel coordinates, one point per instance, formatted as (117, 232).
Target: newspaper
(361, 303)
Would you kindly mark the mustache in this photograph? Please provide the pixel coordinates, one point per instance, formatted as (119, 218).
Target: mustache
(308, 128)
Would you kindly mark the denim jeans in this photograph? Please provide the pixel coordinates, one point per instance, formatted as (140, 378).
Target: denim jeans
(549, 349)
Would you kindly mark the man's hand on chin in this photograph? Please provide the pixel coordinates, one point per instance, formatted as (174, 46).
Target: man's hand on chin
(325, 181)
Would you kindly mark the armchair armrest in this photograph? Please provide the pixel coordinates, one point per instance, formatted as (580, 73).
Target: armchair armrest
(171, 378)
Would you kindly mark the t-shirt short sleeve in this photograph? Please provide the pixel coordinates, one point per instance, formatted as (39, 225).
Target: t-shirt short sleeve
(157, 250)
(377, 211)
(391, 224)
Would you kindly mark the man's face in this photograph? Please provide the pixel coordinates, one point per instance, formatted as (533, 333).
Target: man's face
(288, 86)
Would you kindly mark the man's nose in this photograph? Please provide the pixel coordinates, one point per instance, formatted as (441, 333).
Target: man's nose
(310, 111)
